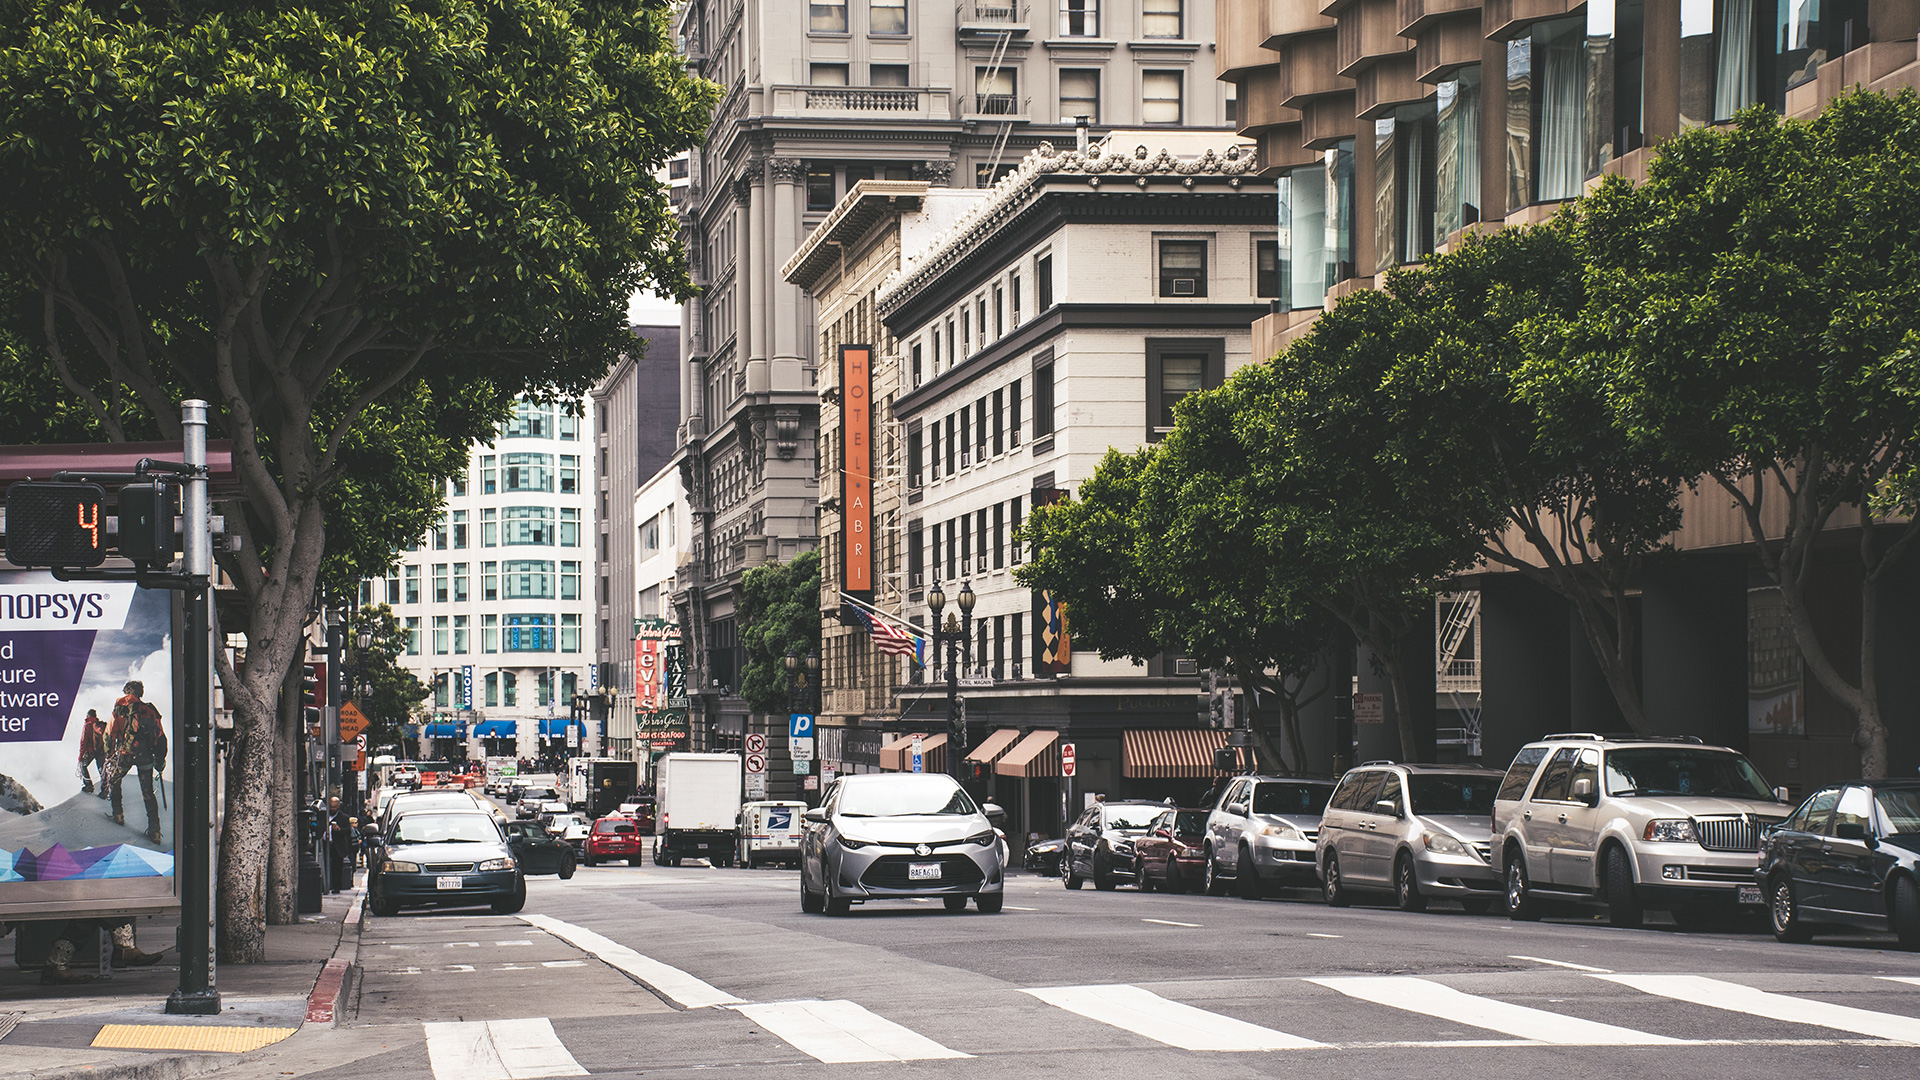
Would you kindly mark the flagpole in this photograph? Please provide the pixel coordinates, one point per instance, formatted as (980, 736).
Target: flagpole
(897, 621)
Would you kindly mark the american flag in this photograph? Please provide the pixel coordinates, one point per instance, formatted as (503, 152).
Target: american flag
(887, 637)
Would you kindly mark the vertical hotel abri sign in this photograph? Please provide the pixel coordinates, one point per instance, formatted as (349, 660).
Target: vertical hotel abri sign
(856, 470)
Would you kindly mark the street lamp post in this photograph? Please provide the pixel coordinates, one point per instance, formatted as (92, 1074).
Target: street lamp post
(802, 675)
(957, 633)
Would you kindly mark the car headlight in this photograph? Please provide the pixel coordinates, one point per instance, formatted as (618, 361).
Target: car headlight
(1442, 844)
(1671, 830)
(851, 844)
(985, 839)
(496, 864)
(395, 866)
(1283, 830)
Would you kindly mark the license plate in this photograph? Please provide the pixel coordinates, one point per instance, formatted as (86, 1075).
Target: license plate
(1747, 894)
(447, 882)
(923, 871)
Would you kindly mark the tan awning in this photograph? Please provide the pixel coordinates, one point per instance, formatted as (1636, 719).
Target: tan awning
(1185, 754)
(897, 756)
(1036, 756)
(995, 745)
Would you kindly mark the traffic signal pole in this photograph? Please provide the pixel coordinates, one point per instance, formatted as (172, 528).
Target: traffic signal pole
(197, 994)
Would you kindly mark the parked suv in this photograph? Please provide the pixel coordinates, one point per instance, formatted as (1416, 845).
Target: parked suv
(1633, 823)
(1262, 833)
(1418, 831)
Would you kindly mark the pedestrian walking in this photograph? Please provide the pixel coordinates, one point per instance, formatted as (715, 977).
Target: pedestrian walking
(93, 753)
(136, 740)
(339, 845)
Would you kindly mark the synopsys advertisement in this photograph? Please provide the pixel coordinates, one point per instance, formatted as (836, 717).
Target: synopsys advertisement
(87, 808)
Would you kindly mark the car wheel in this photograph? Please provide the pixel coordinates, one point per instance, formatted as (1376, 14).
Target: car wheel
(589, 860)
(511, 905)
(1521, 905)
(1140, 877)
(954, 904)
(1214, 884)
(1333, 887)
(633, 860)
(1175, 883)
(1103, 878)
(1783, 912)
(1246, 879)
(566, 867)
(1068, 876)
(382, 906)
(1906, 912)
(838, 905)
(1477, 905)
(990, 903)
(1623, 907)
(1406, 886)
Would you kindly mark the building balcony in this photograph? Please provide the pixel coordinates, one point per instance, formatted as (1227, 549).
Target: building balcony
(889, 103)
(996, 108)
(992, 18)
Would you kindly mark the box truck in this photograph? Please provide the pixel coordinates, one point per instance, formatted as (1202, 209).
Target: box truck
(597, 786)
(698, 808)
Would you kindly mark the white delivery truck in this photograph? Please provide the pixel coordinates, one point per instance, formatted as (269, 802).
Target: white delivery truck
(698, 808)
(770, 832)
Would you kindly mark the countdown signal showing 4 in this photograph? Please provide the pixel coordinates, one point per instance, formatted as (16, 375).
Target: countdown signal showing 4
(56, 524)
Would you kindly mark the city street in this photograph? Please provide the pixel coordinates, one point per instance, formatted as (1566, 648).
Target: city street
(1090, 982)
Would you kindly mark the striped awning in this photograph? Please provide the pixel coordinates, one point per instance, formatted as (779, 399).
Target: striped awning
(995, 745)
(897, 756)
(1036, 756)
(1185, 754)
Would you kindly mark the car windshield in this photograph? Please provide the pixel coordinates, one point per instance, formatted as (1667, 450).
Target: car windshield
(1274, 797)
(903, 797)
(1901, 807)
(445, 829)
(1444, 794)
(1678, 771)
(451, 801)
(1187, 822)
(1132, 817)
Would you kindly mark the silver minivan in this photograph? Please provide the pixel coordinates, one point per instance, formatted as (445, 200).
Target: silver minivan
(1420, 832)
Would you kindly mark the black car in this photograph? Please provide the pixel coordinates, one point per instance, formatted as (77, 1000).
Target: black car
(1100, 843)
(453, 858)
(1849, 856)
(1044, 857)
(539, 851)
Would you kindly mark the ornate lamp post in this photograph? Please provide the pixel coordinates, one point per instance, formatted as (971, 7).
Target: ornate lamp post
(802, 677)
(957, 633)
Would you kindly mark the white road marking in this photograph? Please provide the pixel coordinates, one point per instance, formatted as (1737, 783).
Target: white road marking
(1440, 1000)
(461, 967)
(513, 943)
(498, 1050)
(1147, 1014)
(461, 945)
(1333, 936)
(837, 1032)
(1010, 907)
(1170, 922)
(1910, 980)
(1733, 997)
(1562, 963)
(682, 988)
(563, 963)
(409, 971)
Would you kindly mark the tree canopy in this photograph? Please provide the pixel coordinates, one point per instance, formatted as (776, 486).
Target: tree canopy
(779, 616)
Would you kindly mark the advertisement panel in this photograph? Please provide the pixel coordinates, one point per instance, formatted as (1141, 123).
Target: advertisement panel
(856, 504)
(649, 691)
(87, 746)
(659, 686)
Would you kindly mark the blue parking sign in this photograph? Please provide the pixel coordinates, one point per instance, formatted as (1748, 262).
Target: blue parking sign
(800, 725)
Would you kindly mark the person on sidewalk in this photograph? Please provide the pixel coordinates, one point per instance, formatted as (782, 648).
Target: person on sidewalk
(136, 741)
(339, 845)
(93, 753)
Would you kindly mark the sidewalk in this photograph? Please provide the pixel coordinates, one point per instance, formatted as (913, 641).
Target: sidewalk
(117, 1028)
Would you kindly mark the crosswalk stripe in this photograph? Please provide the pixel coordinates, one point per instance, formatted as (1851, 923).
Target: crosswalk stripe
(838, 1032)
(1910, 980)
(689, 992)
(498, 1050)
(1733, 997)
(1146, 1013)
(1436, 999)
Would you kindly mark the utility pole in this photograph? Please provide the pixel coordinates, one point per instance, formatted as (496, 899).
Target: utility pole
(197, 994)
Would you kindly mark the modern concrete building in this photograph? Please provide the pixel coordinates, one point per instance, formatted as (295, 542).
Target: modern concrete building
(818, 97)
(1392, 127)
(1065, 315)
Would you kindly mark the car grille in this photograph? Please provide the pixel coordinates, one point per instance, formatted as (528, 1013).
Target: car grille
(1485, 851)
(449, 868)
(1310, 835)
(1721, 874)
(890, 872)
(1729, 834)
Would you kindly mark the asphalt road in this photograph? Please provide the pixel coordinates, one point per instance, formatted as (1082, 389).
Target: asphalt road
(680, 972)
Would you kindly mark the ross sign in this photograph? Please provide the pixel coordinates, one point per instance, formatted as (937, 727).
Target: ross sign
(466, 687)
(856, 470)
(353, 723)
(56, 524)
(756, 744)
(756, 763)
(1369, 708)
(1066, 759)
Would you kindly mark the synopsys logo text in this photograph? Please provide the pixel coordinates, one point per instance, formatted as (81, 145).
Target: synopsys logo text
(71, 608)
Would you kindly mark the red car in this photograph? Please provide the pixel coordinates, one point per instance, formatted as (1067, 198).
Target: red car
(1172, 856)
(613, 837)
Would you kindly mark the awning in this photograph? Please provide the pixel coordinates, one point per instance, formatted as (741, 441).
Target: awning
(890, 752)
(933, 755)
(1036, 756)
(553, 726)
(496, 729)
(1183, 754)
(995, 745)
(443, 730)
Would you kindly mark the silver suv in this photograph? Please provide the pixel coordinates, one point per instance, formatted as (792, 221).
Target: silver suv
(1419, 831)
(1634, 823)
(1262, 833)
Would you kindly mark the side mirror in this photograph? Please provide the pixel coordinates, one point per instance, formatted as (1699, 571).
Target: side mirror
(1583, 790)
(1853, 830)
(1388, 807)
(815, 816)
(1780, 795)
(993, 811)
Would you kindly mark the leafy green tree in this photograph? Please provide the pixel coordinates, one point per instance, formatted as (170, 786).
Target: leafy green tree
(303, 209)
(1764, 282)
(779, 615)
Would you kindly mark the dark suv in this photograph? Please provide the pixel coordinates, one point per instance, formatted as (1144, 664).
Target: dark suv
(1100, 844)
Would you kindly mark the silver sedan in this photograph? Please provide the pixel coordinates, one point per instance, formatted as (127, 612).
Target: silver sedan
(885, 836)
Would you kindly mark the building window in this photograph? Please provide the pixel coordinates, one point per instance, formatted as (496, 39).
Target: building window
(1266, 268)
(1456, 197)
(440, 691)
(650, 535)
(916, 363)
(887, 17)
(1160, 97)
(529, 421)
(1160, 18)
(1404, 172)
(994, 90)
(1043, 395)
(526, 579)
(528, 472)
(569, 633)
(1183, 268)
(569, 527)
(1013, 296)
(827, 16)
(459, 530)
(529, 633)
(461, 645)
(489, 528)
(393, 587)
(1079, 18)
(1043, 282)
(439, 635)
(493, 690)
(413, 635)
(569, 581)
(440, 534)
(985, 175)
(1013, 414)
(999, 421)
(999, 311)
(827, 74)
(490, 635)
(457, 484)
(916, 556)
(413, 584)
(1177, 367)
(569, 474)
(894, 75)
(819, 186)
(460, 583)
(488, 485)
(1316, 224)
(528, 525)
(569, 427)
(933, 450)
(1231, 107)
(489, 581)
(1079, 95)
(1547, 115)
(914, 455)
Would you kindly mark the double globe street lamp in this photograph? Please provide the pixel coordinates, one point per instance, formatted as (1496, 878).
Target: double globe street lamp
(957, 633)
(800, 671)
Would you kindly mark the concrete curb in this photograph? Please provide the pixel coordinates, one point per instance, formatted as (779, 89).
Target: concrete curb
(177, 1067)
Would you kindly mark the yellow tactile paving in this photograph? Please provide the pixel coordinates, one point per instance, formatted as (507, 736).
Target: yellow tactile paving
(220, 1039)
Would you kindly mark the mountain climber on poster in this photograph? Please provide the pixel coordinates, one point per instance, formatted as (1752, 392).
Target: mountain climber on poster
(93, 753)
(136, 741)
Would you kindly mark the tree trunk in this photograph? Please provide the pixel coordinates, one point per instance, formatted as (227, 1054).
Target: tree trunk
(1613, 640)
(283, 856)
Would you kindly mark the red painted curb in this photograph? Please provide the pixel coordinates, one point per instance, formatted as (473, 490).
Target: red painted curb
(326, 992)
